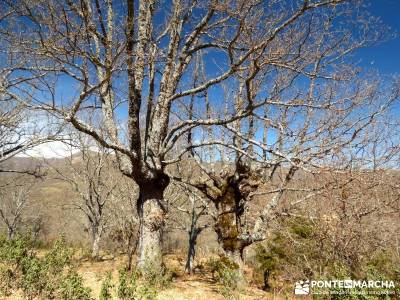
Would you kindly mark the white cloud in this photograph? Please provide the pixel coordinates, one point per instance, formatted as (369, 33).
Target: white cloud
(50, 150)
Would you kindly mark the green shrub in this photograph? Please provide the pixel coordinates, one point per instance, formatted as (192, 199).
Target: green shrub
(146, 292)
(106, 287)
(266, 264)
(154, 276)
(71, 287)
(302, 229)
(130, 288)
(225, 272)
(33, 278)
(267, 260)
(13, 251)
(49, 277)
(58, 257)
(127, 284)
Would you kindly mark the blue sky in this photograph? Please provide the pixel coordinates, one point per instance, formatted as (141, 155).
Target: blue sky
(386, 56)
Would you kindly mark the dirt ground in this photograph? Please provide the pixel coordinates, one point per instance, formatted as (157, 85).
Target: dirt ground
(183, 287)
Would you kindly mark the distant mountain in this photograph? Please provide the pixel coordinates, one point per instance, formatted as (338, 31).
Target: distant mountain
(26, 163)
(20, 164)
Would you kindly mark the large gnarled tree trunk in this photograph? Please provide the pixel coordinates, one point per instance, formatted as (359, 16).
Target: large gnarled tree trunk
(229, 192)
(229, 228)
(152, 212)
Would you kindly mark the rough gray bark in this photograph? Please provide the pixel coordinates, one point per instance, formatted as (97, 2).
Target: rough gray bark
(150, 244)
(191, 252)
(236, 256)
(131, 248)
(96, 238)
(151, 213)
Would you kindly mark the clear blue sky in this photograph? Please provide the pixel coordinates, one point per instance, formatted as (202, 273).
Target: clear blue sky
(386, 56)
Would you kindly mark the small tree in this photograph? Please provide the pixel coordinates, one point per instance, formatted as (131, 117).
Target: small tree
(90, 173)
(124, 221)
(189, 215)
(14, 200)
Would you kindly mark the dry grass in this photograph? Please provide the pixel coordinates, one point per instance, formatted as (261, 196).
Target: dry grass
(199, 286)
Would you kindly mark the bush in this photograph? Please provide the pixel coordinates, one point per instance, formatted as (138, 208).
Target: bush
(13, 251)
(72, 288)
(106, 287)
(302, 249)
(266, 263)
(225, 272)
(146, 292)
(129, 287)
(49, 277)
(155, 276)
(34, 281)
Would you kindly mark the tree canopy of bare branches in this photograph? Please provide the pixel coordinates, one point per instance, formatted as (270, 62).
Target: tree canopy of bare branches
(277, 75)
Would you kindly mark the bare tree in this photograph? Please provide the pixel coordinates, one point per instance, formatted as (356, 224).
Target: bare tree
(20, 127)
(191, 211)
(122, 56)
(90, 173)
(18, 131)
(124, 222)
(305, 130)
(14, 199)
